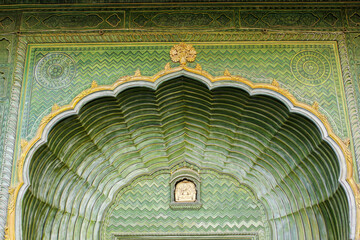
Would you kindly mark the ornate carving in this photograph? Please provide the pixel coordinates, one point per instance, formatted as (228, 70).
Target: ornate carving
(331, 19)
(183, 53)
(141, 20)
(198, 67)
(213, 79)
(94, 84)
(113, 20)
(55, 107)
(355, 18)
(71, 21)
(137, 73)
(275, 83)
(227, 73)
(12, 199)
(6, 22)
(2, 85)
(32, 21)
(347, 142)
(7, 236)
(181, 19)
(323, 118)
(4, 50)
(250, 19)
(316, 106)
(55, 70)
(185, 191)
(286, 19)
(167, 67)
(310, 68)
(224, 20)
(23, 144)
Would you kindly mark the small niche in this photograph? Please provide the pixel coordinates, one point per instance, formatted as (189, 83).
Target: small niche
(185, 189)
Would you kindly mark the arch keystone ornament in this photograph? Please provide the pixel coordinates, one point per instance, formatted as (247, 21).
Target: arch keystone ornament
(183, 53)
(334, 147)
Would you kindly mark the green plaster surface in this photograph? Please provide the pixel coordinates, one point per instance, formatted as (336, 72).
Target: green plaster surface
(353, 41)
(52, 26)
(7, 49)
(115, 140)
(308, 71)
(228, 207)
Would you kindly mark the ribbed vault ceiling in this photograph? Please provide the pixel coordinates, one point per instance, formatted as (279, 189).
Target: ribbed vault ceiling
(89, 157)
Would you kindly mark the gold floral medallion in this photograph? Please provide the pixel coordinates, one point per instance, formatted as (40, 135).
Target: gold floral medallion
(183, 53)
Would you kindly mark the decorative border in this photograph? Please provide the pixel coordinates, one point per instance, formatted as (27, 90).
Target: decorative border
(343, 154)
(7, 196)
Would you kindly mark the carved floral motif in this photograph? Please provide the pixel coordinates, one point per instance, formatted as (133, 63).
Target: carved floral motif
(183, 53)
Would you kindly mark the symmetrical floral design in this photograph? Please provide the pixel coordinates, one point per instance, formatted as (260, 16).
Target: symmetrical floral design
(183, 53)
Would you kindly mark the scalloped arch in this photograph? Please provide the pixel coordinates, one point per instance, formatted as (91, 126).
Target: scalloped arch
(270, 172)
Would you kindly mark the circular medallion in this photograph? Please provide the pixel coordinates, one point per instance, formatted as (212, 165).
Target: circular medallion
(310, 68)
(55, 70)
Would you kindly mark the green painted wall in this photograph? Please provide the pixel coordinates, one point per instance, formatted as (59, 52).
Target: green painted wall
(113, 141)
(50, 53)
(227, 207)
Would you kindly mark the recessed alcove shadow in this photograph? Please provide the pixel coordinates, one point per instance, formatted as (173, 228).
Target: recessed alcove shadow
(92, 156)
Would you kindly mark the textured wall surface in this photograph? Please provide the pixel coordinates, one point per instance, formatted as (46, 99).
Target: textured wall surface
(49, 54)
(311, 71)
(144, 208)
(91, 156)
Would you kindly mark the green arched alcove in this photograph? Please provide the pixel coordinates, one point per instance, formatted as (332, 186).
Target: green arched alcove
(89, 157)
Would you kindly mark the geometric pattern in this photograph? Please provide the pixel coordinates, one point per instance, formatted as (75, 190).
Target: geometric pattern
(258, 62)
(329, 22)
(228, 207)
(89, 157)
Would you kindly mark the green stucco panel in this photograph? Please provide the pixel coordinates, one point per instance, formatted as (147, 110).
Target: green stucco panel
(310, 71)
(50, 53)
(279, 155)
(228, 207)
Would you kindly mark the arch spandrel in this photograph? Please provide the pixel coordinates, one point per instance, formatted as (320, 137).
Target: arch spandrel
(270, 90)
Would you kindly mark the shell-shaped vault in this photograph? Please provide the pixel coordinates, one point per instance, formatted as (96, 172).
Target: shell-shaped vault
(266, 171)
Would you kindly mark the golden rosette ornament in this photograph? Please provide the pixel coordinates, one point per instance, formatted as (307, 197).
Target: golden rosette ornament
(183, 53)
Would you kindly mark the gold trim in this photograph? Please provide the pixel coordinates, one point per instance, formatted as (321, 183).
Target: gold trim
(275, 83)
(167, 66)
(137, 73)
(347, 142)
(168, 70)
(227, 73)
(23, 144)
(315, 106)
(55, 107)
(94, 84)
